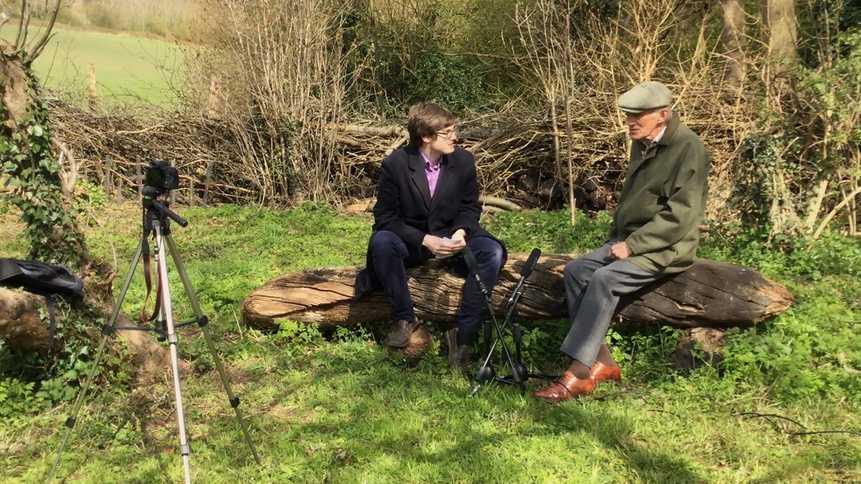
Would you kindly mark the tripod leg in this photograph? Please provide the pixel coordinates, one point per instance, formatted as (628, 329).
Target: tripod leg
(195, 304)
(109, 330)
(167, 312)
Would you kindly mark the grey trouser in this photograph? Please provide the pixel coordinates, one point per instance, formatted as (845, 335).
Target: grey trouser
(593, 284)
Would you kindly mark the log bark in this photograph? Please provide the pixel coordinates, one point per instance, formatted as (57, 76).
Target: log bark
(709, 294)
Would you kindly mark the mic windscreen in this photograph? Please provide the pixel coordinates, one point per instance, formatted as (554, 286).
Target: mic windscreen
(530, 263)
(470, 259)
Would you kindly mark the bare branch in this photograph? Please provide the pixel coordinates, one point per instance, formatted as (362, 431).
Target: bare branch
(834, 212)
(46, 36)
(21, 36)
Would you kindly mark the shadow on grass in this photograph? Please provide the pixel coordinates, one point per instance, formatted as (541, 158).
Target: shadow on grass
(365, 416)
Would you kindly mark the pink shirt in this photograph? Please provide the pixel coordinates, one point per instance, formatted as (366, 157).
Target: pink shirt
(432, 170)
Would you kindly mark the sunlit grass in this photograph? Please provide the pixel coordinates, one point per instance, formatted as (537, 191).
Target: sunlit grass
(337, 408)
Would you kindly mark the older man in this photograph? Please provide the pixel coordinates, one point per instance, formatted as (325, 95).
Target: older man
(654, 233)
(427, 207)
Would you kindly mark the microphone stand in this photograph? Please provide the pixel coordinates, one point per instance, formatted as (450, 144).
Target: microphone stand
(519, 372)
(486, 372)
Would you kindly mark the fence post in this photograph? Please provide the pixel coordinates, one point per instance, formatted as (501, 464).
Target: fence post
(213, 102)
(92, 92)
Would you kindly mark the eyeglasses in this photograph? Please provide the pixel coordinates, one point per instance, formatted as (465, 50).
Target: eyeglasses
(450, 132)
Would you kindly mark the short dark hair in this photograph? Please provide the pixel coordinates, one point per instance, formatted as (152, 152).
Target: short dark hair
(427, 119)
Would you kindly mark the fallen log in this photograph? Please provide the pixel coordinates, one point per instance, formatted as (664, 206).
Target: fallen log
(709, 294)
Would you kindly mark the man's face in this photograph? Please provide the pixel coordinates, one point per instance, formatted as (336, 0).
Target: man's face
(647, 124)
(443, 141)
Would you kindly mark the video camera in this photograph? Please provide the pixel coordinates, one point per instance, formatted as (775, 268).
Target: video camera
(161, 177)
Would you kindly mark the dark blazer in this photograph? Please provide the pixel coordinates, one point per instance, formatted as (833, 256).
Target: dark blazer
(405, 207)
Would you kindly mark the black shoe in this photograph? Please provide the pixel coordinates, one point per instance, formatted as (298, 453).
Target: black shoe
(399, 337)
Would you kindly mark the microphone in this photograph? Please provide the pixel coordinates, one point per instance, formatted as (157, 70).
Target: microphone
(530, 263)
(525, 271)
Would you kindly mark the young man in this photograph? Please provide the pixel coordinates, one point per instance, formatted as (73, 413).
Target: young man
(427, 207)
(655, 233)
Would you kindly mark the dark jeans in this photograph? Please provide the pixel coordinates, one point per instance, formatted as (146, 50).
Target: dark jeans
(390, 258)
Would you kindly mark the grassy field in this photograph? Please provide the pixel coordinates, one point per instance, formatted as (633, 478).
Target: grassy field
(129, 69)
(335, 408)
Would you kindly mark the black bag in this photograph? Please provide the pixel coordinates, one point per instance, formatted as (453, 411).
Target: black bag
(41, 278)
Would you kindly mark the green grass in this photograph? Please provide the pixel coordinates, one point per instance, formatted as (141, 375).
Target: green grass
(129, 69)
(336, 408)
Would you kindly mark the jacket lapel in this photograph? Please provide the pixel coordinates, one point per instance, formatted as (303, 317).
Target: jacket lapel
(418, 177)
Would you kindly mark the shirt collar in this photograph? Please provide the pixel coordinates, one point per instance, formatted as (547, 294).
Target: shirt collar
(660, 135)
(429, 163)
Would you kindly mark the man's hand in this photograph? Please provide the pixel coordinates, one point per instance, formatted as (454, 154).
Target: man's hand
(443, 247)
(620, 250)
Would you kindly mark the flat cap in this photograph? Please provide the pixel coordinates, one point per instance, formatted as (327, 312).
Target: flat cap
(645, 96)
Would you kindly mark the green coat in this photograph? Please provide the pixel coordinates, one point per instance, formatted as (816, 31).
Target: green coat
(663, 199)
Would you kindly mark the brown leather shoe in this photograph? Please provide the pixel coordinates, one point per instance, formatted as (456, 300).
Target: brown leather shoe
(601, 372)
(566, 388)
(399, 336)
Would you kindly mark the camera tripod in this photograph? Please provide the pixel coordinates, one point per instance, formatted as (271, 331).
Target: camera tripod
(156, 222)
(486, 373)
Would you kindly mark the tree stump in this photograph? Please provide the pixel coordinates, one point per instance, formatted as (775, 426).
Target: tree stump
(21, 323)
(709, 294)
(22, 327)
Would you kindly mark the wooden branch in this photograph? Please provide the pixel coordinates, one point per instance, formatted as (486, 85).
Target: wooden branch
(709, 294)
(815, 205)
(369, 130)
(68, 172)
(500, 203)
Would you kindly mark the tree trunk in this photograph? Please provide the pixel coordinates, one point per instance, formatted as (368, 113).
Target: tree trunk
(21, 325)
(709, 294)
(27, 158)
(783, 35)
(733, 40)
